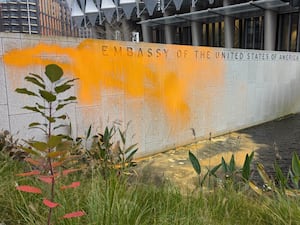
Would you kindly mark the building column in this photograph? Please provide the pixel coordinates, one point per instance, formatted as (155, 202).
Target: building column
(146, 30)
(169, 31)
(228, 28)
(197, 31)
(270, 23)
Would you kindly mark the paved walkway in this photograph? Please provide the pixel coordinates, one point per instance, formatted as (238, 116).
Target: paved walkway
(275, 140)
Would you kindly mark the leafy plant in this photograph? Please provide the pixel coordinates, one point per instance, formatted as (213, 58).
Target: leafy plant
(9, 146)
(295, 170)
(246, 169)
(230, 168)
(231, 172)
(125, 154)
(197, 167)
(281, 183)
(49, 158)
(280, 178)
(110, 154)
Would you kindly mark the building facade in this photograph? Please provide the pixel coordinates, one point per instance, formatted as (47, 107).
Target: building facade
(260, 24)
(44, 17)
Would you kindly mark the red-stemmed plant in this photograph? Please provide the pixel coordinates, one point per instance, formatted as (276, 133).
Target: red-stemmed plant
(48, 158)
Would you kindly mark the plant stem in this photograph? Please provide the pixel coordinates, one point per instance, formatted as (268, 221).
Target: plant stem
(50, 166)
(52, 187)
(50, 123)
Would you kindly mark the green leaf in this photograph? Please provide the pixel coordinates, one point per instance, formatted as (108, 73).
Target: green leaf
(59, 126)
(40, 106)
(279, 176)
(39, 145)
(296, 165)
(295, 179)
(89, 132)
(37, 76)
(204, 178)
(63, 117)
(66, 145)
(51, 119)
(224, 165)
(62, 88)
(71, 80)
(195, 163)
(48, 96)
(29, 150)
(34, 124)
(53, 72)
(60, 106)
(25, 91)
(246, 168)
(130, 148)
(45, 131)
(129, 158)
(251, 156)
(214, 170)
(56, 154)
(122, 136)
(71, 98)
(54, 140)
(232, 164)
(34, 109)
(35, 81)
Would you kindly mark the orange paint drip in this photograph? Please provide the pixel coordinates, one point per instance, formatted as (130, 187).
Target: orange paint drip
(167, 74)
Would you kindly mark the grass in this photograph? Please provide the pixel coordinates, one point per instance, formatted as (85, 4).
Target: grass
(119, 202)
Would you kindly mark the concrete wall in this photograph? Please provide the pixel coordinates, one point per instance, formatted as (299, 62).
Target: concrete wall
(164, 90)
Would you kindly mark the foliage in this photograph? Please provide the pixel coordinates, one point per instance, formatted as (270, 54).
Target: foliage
(295, 170)
(109, 154)
(9, 145)
(119, 202)
(282, 184)
(197, 167)
(231, 172)
(49, 92)
(49, 158)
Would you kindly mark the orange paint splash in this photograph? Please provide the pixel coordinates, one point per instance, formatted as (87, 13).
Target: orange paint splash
(167, 74)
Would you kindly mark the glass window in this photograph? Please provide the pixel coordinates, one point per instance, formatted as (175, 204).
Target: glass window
(294, 32)
(251, 33)
(287, 30)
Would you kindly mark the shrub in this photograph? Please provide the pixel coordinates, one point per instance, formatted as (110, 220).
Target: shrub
(49, 158)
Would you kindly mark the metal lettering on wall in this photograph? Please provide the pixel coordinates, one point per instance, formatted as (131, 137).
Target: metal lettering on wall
(172, 94)
(163, 73)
